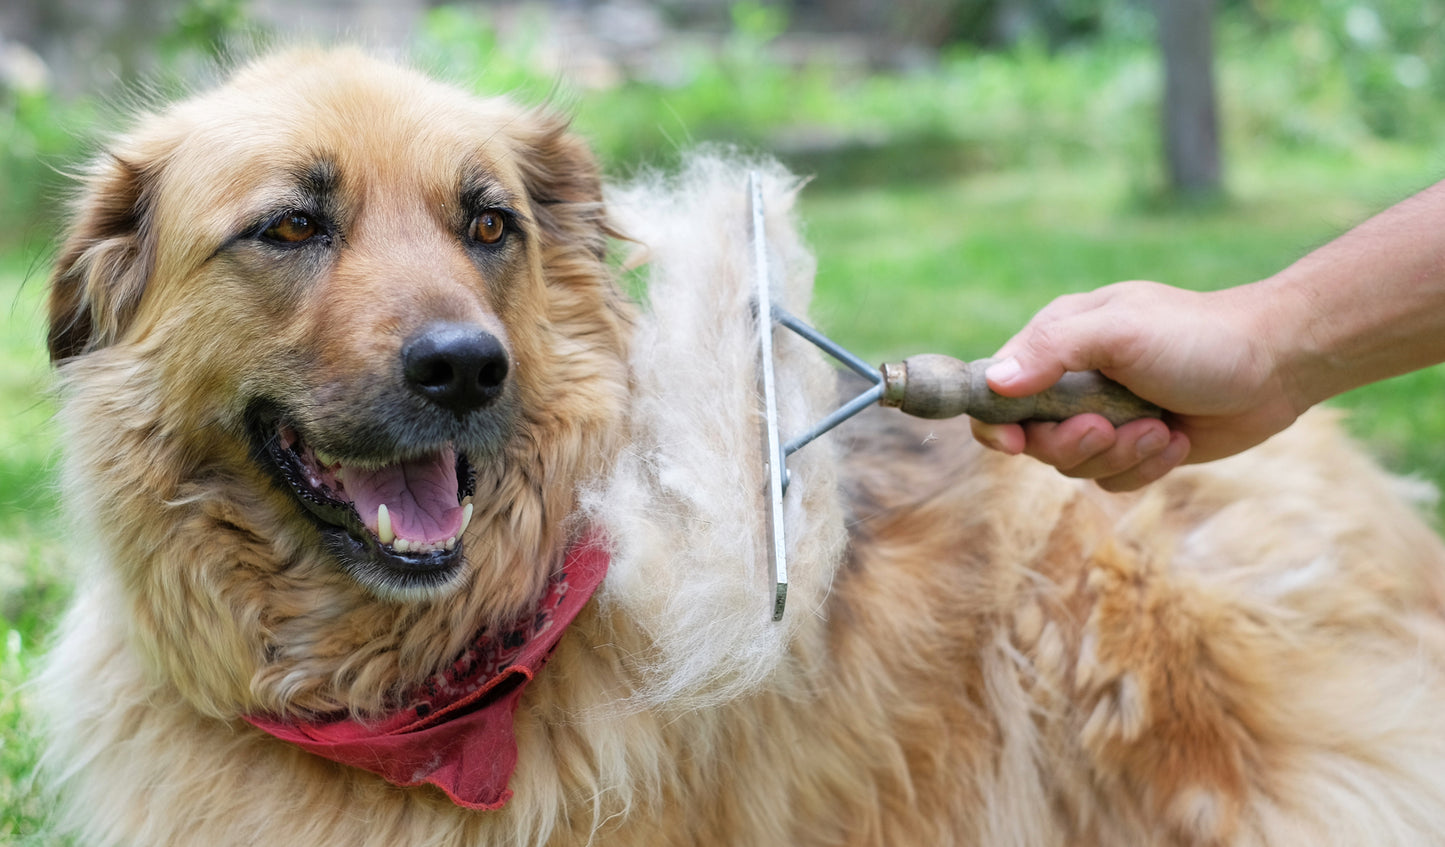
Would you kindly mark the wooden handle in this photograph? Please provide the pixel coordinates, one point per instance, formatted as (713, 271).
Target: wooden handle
(934, 386)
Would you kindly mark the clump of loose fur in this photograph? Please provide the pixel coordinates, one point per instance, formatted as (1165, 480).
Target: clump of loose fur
(685, 504)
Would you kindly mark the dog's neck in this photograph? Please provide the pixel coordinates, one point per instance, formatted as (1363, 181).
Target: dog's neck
(455, 731)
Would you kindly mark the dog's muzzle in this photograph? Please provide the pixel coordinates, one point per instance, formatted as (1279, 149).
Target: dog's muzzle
(393, 504)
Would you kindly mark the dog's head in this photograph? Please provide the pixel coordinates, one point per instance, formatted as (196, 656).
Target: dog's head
(379, 299)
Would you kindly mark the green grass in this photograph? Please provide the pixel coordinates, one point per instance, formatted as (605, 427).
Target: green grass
(959, 265)
(33, 573)
(954, 264)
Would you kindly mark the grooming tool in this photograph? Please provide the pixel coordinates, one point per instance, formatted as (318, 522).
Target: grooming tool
(927, 386)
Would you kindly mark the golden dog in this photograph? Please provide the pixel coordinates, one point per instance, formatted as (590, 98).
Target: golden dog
(347, 380)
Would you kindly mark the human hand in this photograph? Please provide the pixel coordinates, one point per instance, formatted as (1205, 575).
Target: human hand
(1205, 357)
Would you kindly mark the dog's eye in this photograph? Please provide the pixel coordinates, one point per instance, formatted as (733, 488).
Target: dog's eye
(293, 228)
(488, 227)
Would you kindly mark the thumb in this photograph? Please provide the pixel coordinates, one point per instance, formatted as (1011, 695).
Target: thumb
(1008, 377)
(1018, 371)
(1046, 348)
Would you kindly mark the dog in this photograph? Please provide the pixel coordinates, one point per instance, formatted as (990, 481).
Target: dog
(398, 522)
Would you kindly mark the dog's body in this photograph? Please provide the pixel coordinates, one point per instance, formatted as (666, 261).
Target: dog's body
(251, 313)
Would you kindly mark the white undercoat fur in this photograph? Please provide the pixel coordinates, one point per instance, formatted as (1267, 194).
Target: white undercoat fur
(685, 502)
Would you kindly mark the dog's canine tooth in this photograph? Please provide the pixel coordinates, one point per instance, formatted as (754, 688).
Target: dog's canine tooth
(383, 525)
(466, 519)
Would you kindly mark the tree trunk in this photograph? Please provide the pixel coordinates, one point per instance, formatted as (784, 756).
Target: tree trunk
(1191, 123)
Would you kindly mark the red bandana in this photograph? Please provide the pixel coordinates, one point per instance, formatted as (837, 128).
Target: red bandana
(456, 730)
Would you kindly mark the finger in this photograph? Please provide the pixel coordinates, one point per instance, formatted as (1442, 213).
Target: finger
(1150, 469)
(1005, 438)
(1069, 443)
(1134, 442)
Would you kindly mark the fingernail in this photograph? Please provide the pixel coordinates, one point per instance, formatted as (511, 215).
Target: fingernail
(1093, 442)
(990, 442)
(1003, 372)
(1153, 442)
(988, 436)
(1177, 451)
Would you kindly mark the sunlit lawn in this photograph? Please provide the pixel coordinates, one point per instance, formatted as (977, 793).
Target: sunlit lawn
(33, 576)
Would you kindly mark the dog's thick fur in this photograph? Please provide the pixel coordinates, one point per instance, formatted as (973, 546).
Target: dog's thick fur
(976, 650)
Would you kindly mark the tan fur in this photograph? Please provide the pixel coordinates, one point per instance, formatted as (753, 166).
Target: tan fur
(1246, 653)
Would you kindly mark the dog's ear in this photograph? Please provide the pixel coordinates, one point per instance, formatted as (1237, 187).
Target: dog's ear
(564, 182)
(105, 261)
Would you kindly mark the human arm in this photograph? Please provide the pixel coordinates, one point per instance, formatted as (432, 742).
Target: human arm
(1233, 366)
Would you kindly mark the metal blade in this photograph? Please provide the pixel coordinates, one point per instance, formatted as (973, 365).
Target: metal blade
(772, 443)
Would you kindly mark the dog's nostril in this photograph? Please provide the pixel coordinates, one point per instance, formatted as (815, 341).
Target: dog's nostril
(459, 366)
(436, 373)
(493, 374)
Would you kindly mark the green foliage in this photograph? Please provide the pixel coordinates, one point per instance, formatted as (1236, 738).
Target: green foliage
(461, 44)
(23, 805)
(1289, 77)
(205, 27)
(34, 580)
(1337, 76)
(47, 135)
(755, 24)
(44, 134)
(1379, 63)
(736, 93)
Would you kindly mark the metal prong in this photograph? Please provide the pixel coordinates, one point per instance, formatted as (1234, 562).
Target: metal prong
(864, 400)
(842, 413)
(827, 345)
(772, 449)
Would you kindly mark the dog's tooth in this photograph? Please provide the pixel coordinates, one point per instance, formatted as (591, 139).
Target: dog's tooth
(401, 545)
(466, 519)
(383, 525)
(326, 459)
(451, 543)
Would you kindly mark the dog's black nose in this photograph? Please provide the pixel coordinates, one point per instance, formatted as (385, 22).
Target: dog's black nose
(458, 366)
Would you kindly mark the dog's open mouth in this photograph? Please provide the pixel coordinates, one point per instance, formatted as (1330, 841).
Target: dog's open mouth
(405, 516)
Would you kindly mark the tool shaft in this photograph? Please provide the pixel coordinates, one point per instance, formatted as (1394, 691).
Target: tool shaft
(935, 386)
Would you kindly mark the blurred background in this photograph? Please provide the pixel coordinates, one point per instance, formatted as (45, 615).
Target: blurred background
(971, 159)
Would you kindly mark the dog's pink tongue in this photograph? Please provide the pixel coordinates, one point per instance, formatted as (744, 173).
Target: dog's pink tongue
(420, 496)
